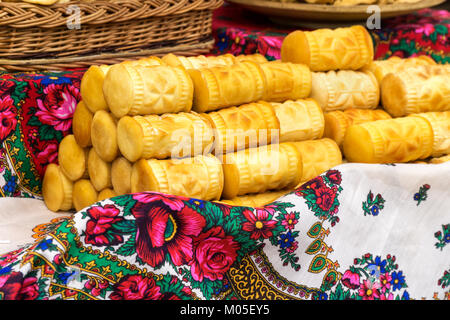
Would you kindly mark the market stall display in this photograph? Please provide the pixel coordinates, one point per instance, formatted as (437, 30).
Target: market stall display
(146, 136)
(151, 104)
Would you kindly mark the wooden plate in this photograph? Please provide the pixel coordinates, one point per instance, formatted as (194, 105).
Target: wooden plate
(294, 11)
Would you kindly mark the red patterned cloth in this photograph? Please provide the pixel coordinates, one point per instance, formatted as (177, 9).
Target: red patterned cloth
(35, 114)
(36, 108)
(238, 31)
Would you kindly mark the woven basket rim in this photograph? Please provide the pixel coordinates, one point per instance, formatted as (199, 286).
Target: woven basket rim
(187, 49)
(27, 15)
(111, 55)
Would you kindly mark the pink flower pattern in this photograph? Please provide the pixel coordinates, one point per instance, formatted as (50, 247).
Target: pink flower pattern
(385, 281)
(8, 116)
(369, 290)
(214, 254)
(58, 106)
(289, 221)
(258, 224)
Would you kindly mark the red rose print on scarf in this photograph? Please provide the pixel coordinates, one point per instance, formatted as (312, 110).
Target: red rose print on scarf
(325, 197)
(99, 227)
(136, 287)
(350, 279)
(10, 286)
(6, 87)
(30, 289)
(321, 195)
(312, 184)
(174, 203)
(334, 176)
(214, 253)
(161, 230)
(8, 116)
(58, 106)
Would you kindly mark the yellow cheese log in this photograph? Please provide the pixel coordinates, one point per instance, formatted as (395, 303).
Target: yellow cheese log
(81, 125)
(256, 170)
(389, 141)
(256, 57)
(145, 62)
(300, 120)
(337, 122)
(241, 127)
(285, 81)
(415, 90)
(318, 156)
(197, 62)
(104, 135)
(325, 49)
(442, 159)
(257, 200)
(91, 88)
(57, 189)
(226, 86)
(72, 158)
(345, 89)
(440, 123)
(200, 177)
(106, 194)
(380, 68)
(99, 171)
(170, 135)
(357, 116)
(84, 194)
(142, 90)
(121, 175)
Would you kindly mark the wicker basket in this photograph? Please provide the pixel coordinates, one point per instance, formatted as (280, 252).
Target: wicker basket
(38, 37)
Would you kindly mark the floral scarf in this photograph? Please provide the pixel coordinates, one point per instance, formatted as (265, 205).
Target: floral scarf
(35, 114)
(355, 232)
